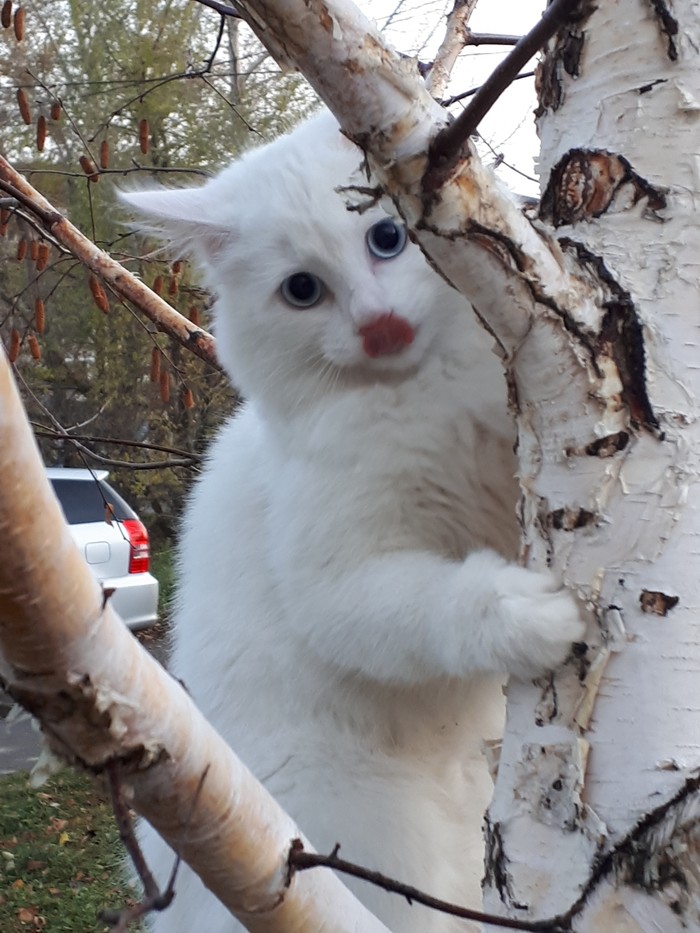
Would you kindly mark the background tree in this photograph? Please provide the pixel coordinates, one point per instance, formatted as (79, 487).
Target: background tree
(127, 89)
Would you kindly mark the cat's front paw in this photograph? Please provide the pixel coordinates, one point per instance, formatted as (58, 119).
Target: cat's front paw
(538, 622)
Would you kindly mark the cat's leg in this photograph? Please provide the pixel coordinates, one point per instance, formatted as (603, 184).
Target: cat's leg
(409, 616)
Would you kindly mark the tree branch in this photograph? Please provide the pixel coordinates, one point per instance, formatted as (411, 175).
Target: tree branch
(301, 860)
(65, 435)
(448, 144)
(222, 8)
(123, 282)
(470, 92)
(456, 32)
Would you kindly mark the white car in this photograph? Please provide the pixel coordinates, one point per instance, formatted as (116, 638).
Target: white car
(118, 549)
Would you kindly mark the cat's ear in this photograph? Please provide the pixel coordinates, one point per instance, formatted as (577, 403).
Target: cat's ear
(182, 216)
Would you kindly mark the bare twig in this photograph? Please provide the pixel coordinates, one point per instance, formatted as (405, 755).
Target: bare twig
(155, 86)
(300, 860)
(449, 101)
(66, 434)
(154, 899)
(448, 144)
(222, 8)
(491, 38)
(123, 282)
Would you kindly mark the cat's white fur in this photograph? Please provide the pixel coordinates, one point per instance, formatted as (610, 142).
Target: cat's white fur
(341, 603)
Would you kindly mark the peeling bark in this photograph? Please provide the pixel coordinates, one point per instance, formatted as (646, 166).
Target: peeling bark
(564, 58)
(587, 183)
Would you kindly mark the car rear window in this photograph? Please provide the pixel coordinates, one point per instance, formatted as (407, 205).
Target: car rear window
(84, 501)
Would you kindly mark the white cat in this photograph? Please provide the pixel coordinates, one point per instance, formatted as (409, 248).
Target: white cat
(342, 606)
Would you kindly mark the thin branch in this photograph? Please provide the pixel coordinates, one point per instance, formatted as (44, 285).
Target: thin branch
(222, 8)
(301, 860)
(449, 101)
(448, 144)
(154, 899)
(491, 38)
(188, 73)
(151, 169)
(452, 45)
(500, 160)
(41, 431)
(123, 282)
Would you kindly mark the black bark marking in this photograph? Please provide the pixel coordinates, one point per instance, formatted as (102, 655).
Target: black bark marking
(608, 446)
(567, 519)
(657, 603)
(669, 26)
(586, 183)
(621, 338)
(645, 88)
(496, 864)
(563, 56)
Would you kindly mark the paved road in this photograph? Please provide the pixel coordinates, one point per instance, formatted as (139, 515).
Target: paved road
(19, 743)
(20, 740)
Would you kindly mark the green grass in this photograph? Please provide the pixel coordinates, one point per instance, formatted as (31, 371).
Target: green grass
(163, 568)
(60, 856)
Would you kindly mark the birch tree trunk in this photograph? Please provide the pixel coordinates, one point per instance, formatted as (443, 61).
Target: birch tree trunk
(597, 799)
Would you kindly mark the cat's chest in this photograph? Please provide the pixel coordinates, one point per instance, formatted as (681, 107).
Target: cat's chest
(399, 484)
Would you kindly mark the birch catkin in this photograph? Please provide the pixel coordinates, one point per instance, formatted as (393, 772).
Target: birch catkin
(41, 132)
(89, 167)
(19, 24)
(143, 136)
(39, 316)
(34, 347)
(155, 365)
(104, 154)
(24, 110)
(15, 344)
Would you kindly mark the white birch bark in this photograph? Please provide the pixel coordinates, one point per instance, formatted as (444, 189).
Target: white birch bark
(618, 831)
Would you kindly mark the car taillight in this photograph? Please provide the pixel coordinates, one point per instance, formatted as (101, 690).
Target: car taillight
(140, 556)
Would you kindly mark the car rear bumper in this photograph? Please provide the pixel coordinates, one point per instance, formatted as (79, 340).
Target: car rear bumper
(135, 598)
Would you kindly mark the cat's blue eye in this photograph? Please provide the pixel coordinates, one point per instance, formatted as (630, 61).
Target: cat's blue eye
(302, 290)
(386, 239)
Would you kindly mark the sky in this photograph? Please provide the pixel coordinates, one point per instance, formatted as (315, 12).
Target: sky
(416, 26)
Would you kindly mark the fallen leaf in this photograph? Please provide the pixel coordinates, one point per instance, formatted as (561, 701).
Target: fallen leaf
(63, 838)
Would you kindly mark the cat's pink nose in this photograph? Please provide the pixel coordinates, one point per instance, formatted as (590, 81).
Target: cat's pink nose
(385, 335)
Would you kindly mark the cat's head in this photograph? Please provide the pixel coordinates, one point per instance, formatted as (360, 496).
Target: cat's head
(310, 295)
